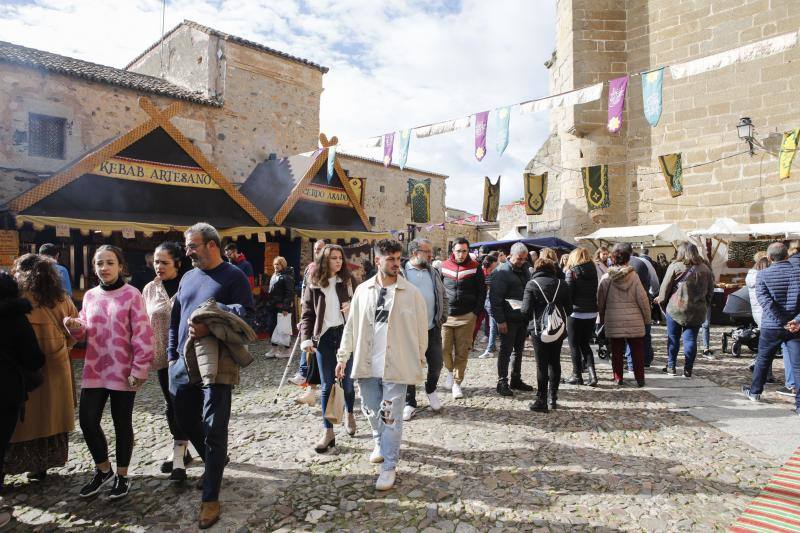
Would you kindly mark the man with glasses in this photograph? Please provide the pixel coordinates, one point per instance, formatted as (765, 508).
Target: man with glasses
(466, 294)
(428, 281)
(203, 412)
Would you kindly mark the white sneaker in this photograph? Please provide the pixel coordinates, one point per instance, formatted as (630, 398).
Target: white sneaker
(297, 379)
(376, 456)
(486, 355)
(435, 403)
(385, 480)
(448, 381)
(457, 393)
(408, 412)
(282, 354)
(270, 354)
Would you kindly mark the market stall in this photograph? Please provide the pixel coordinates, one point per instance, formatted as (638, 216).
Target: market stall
(654, 235)
(533, 243)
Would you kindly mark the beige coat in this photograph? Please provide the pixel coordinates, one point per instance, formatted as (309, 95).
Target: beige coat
(50, 409)
(407, 335)
(159, 310)
(623, 303)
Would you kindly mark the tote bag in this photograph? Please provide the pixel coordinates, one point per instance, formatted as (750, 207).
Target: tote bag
(334, 410)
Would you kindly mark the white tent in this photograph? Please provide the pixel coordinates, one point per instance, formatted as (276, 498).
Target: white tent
(730, 230)
(512, 235)
(653, 235)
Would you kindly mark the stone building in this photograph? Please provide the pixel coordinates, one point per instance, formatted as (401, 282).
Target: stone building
(598, 40)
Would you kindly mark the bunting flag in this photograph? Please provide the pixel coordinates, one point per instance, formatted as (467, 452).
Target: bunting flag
(501, 119)
(535, 193)
(405, 139)
(481, 119)
(331, 159)
(595, 186)
(788, 149)
(570, 98)
(652, 83)
(357, 184)
(491, 199)
(388, 148)
(442, 127)
(672, 170)
(419, 196)
(616, 102)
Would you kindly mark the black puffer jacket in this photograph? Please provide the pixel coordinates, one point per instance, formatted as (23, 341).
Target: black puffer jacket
(582, 282)
(19, 352)
(507, 283)
(534, 303)
(281, 292)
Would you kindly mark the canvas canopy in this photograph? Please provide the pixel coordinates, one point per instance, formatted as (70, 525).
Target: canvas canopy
(730, 230)
(654, 235)
(537, 243)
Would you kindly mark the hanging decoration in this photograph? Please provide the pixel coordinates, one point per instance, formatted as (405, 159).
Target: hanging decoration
(491, 199)
(672, 170)
(616, 102)
(535, 193)
(419, 196)
(405, 139)
(569, 98)
(331, 159)
(788, 149)
(652, 82)
(357, 184)
(481, 119)
(595, 186)
(501, 119)
(388, 147)
(442, 127)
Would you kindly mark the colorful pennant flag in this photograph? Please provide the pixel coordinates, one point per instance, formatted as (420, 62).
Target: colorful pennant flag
(491, 199)
(672, 170)
(331, 159)
(788, 149)
(388, 148)
(616, 102)
(595, 186)
(419, 196)
(442, 127)
(481, 119)
(405, 139)
(652, 83)
(535, 193)
(501, 119)
(569, 98)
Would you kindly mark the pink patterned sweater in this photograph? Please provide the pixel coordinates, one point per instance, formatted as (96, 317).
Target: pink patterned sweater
(119, 338)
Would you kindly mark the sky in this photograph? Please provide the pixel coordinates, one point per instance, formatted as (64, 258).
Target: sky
(393, 65)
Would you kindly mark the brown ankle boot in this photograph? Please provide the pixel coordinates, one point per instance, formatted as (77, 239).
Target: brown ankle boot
(327, 441)
(350, 424)
(209, 514)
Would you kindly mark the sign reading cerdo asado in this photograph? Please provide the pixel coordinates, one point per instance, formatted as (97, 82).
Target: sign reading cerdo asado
(325, 195)
(159, 173)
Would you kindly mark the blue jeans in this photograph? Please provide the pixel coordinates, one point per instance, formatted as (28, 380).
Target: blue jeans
(326, 360)
(203, 414)
(788, 369)
(648, 349)
(675, 332)
(768, 341)
(491, 345)
(382, 403)
(303, 364)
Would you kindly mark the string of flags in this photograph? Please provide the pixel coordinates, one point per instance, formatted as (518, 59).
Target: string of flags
(652, 88)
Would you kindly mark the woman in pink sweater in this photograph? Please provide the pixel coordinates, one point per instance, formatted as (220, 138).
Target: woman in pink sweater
(119, 349)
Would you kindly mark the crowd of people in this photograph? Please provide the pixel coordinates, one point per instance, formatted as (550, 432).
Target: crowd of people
(400, 327)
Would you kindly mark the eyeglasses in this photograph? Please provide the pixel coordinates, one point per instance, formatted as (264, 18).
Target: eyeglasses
(193, 246)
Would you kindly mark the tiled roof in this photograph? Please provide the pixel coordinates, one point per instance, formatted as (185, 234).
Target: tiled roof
(234, 39)
(393, 165)
(68, 66)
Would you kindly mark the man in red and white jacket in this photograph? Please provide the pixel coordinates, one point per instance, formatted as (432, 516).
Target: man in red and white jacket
(466, 294)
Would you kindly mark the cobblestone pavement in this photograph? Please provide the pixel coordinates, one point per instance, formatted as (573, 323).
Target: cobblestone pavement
(607, 460)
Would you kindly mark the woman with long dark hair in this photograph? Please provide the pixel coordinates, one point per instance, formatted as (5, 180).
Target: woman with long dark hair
(41, 441)
(159, 296)
(326, 304)
(119, 349)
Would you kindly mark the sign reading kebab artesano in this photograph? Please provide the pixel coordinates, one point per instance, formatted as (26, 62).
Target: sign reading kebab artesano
(159, 173)
(325, 195)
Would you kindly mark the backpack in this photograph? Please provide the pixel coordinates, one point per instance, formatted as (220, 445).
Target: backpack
(550, 326)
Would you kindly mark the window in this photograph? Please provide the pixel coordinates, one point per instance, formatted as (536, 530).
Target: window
(383, 189)
(46, 136)
(371, 221)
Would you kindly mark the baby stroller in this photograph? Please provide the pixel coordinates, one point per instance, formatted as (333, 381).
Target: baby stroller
(746, 331)
(601, 341)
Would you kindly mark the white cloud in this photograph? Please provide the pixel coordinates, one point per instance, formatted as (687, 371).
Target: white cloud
(393, 65)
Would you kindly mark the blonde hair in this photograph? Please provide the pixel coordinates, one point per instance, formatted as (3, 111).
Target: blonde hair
(758, 255)
(578, 256)
(548, 253)
(281, 261)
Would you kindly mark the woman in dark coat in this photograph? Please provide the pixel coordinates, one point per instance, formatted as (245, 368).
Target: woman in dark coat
(281, 292)
(20, 361)
(582, 282)
(545, 287)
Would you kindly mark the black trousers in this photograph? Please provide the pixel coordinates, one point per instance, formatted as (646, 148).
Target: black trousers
(580, 331)
(548, 366)
(90, 413)
(8, 422)
(512, 341)
(433, 355)
(169, 410)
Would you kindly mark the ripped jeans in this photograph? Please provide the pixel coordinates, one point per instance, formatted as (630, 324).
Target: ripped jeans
(382, 404)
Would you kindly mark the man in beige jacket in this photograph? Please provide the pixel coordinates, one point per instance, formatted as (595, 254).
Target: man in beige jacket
(387, 335)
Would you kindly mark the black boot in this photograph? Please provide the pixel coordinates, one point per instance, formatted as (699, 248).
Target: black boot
(539, 405)
(576, 379)
(518, 384)
(552, 397)
(592, 377)
(503, 388)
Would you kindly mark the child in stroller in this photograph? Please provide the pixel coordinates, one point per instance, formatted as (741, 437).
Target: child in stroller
(746, 332)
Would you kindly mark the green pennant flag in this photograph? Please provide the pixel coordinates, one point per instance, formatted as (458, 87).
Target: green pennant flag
(595, 185)
(419, 196)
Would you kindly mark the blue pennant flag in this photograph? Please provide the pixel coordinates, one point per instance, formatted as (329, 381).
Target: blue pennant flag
(501, 119)
(405, 138)
(331, 159)
(651, 95)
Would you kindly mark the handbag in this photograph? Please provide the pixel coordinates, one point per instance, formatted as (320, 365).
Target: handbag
(334, 410)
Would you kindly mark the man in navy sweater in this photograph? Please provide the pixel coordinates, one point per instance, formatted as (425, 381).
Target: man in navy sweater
(778, 293)
(203, 412)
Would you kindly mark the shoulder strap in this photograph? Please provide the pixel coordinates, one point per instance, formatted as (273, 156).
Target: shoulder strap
(543, 294)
